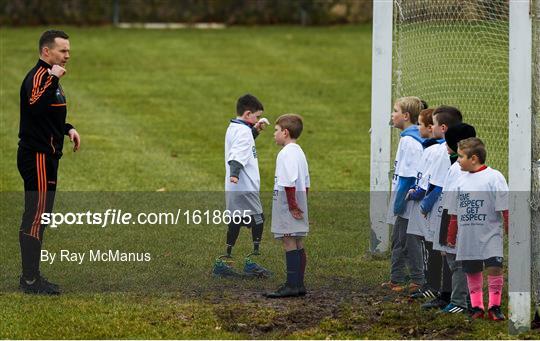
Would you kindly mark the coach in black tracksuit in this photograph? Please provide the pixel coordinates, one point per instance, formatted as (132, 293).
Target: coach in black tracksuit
(41, 133)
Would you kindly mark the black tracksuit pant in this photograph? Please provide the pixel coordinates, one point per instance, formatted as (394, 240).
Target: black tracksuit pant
(39, 172)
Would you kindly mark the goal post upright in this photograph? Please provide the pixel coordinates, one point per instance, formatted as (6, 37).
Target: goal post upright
(381, 106)
(535, 201)
(519, 162)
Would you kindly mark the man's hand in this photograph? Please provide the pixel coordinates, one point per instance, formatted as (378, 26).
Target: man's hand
(234, 179)
(297, 213)
(75, 138)
(57, 70)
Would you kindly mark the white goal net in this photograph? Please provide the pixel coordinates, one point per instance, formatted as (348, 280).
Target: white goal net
(455, 52)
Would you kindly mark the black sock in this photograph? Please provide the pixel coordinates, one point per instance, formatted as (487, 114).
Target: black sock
(232, 236)
(303, 262)
(293, 268)
(446, 277)
(30, 256)
(434, 268)
(256, 235)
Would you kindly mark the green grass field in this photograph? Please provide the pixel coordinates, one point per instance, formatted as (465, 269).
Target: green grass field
(152, 108)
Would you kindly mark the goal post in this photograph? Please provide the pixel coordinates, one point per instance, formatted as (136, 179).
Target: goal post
(381, 106)
(519, 170)
(535, 197)
(483, 57)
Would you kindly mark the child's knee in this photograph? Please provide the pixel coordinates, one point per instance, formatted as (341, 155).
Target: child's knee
(494, 270)
(289, 243)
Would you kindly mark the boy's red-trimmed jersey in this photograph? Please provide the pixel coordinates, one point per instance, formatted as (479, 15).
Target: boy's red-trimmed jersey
(478, 202)
(291, 171)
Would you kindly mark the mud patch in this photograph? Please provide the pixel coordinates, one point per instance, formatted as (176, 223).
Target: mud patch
(257, 316)
(330, 311)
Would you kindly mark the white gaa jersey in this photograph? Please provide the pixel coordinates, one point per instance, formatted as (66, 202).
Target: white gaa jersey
(449, 186)
(478, 202)
(436, 173)
(408, 156)
(441, 165)
(291, 171)
(418, 224)
(240, 147)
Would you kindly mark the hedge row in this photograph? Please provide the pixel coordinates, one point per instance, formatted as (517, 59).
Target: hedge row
(230, 12)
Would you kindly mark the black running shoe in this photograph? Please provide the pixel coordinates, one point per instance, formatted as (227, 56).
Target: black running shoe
(283, 291)
(495, 313)
(454, 309)
(222, 269)
(436, 303)
(40, 286)
(302, 290)
(44, 280)
(476, 313)
(425, 292)
(253, 269)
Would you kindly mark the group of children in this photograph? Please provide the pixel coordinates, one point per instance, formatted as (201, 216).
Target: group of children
(448, 211)
(291, 183)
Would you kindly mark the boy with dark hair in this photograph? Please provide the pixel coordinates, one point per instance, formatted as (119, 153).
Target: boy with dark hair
(478, 208)
(444, 117)
(447, 116)
(242, 182)
(409, 153)
(459, 297)
(289, 208)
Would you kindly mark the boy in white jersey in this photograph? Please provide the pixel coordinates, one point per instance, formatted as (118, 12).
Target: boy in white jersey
(408, 155)
(242, 181)
(478, 209)
(444, 117)
(460, 291)
(289, 208)
(419, 236)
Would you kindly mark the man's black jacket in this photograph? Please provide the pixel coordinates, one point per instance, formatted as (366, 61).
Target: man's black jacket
(43, 112)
